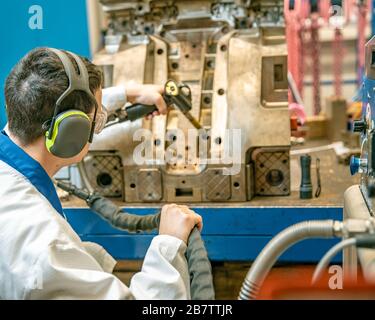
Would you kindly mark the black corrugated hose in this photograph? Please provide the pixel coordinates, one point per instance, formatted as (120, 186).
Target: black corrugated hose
(201, 282)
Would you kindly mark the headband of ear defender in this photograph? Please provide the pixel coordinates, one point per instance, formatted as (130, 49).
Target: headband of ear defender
(69, 131)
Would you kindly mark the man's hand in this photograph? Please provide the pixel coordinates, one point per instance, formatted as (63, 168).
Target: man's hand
(147, 94)
(178, 221)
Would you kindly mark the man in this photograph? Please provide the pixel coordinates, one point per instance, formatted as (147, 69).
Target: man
(41, 257)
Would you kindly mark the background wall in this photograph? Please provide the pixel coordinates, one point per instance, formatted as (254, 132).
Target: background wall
(327, 61)
(65, 25)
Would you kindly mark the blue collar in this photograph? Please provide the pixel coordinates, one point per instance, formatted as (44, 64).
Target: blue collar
(19, 160)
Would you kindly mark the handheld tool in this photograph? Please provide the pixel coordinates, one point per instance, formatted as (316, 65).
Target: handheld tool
(177, 95)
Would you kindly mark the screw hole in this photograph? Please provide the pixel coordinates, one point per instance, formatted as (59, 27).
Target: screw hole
(104, 180)
(221, 92)
(133, 186)
(174, 65)
(218, 140)
(160, 51)
(274, 177)
(210, 64)
(207, 100)
(223, 48)
(236, 185)
(207, 137)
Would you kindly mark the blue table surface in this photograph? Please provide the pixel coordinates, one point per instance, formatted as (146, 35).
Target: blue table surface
(230, 234)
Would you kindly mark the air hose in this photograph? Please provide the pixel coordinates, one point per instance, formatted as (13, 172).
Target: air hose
(276, 247)
(201, 282)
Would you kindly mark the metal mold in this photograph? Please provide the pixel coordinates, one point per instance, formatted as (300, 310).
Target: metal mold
(224, 51)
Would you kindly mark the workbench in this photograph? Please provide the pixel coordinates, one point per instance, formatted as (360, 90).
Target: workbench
(236, 231)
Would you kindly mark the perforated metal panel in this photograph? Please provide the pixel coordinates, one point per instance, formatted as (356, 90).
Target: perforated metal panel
(272, 171)
(105, 173)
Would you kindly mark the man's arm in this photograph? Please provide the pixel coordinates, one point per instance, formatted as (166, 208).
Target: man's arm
(116, 97)
(70, 270)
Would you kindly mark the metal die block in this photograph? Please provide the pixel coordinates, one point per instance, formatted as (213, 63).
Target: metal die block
(274, 88)
(150, 185)
(105, 173)
(272, 171)
(218, 186)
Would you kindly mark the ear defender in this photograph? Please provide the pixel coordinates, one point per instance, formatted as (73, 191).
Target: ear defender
(70, 133)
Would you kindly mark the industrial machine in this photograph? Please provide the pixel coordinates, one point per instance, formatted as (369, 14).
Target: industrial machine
(360, 200)
(365, 164)
(232, 56)
(357, 229)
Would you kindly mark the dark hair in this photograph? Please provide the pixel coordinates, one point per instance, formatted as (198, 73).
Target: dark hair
(33, 87)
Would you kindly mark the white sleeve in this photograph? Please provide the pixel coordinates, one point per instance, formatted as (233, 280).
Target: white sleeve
(114, 98)
(164, 272)
(68, 271)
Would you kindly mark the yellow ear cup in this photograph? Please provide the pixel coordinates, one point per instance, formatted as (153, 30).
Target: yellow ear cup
(70, 134)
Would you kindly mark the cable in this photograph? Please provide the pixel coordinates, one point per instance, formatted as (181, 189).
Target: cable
(319, 183)
(324, 262)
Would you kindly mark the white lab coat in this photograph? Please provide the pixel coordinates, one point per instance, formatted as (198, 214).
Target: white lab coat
(41, 257)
